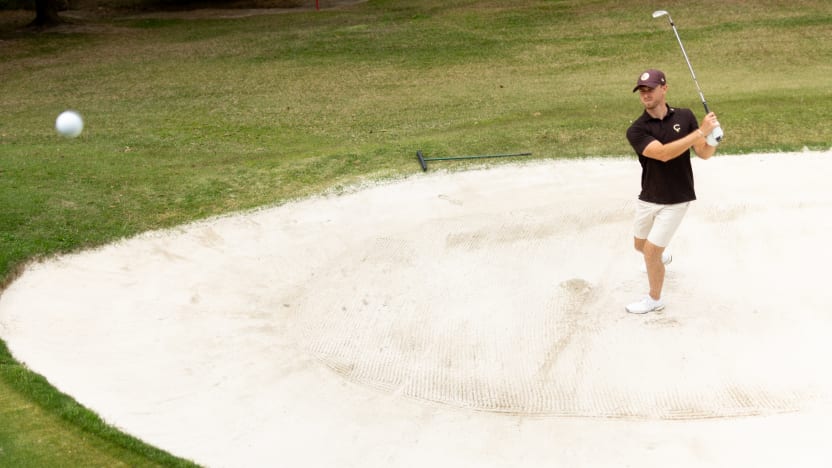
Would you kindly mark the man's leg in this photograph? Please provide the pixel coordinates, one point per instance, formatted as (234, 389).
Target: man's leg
(654, 227)
(655, 269)
(655, 266)
(639, 244)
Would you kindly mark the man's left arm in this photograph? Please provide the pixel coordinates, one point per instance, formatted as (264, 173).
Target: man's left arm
(703, 149)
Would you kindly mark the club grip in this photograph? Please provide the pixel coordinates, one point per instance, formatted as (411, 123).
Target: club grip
(718, 133)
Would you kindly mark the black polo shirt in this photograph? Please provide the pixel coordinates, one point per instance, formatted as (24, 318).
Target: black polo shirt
(664, 182)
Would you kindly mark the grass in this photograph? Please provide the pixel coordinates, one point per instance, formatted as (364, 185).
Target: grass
(42, 427)
(190, 118)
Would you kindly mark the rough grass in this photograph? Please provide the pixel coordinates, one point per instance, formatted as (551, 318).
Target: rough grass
(189, 116)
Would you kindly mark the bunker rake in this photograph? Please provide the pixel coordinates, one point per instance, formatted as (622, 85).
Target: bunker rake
(423, 161)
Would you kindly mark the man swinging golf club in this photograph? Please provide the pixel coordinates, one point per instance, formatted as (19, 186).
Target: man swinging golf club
(662, 137)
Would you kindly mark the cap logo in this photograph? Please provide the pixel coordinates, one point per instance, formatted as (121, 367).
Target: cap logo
(645, 76)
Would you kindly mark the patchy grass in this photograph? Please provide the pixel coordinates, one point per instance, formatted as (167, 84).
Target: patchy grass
(189, 116)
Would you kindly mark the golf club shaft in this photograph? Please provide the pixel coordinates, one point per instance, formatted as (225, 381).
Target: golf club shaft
(690, 67)
(717, 133)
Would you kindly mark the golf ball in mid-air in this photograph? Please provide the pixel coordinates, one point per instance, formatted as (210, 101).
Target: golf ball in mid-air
(69, 124)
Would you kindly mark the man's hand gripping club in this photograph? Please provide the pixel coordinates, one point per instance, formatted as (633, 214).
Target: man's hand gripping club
(712, 130)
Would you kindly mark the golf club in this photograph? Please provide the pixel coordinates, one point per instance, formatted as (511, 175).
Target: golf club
(423, 160)
(717, 133)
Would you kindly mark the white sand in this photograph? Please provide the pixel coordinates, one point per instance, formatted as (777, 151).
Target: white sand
(460, 319)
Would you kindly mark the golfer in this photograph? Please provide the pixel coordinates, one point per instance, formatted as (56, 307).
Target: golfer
(662, 138)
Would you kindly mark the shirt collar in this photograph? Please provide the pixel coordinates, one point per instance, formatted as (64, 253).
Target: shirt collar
(670, 111)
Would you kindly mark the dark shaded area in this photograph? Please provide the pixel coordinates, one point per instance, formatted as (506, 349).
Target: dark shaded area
(47, 12)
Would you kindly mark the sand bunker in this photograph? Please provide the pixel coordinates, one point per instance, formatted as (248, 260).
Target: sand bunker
(468, 319)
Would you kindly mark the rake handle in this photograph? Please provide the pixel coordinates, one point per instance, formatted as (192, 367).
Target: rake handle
(423, 160)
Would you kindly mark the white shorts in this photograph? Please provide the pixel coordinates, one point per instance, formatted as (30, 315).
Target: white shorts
(657, 223)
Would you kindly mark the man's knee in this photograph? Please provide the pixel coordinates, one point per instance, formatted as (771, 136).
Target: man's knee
(652, 251)
(639, 244)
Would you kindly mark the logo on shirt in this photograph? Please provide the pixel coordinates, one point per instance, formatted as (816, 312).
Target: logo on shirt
(677, 128)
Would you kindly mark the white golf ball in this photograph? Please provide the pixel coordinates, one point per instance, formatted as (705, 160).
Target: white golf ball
(69, 124)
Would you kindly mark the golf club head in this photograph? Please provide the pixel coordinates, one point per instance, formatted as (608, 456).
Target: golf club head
(659, 13)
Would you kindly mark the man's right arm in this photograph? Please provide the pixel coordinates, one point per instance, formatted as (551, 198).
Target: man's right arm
(695, 139)
(674, 149)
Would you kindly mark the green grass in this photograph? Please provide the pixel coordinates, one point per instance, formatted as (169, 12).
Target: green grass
(42, 427)
(186, 119)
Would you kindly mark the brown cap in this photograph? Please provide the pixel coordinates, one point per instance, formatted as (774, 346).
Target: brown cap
(651, 78)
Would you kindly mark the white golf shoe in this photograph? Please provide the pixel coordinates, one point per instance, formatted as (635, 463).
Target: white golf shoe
(648, 304)
(666, 259)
